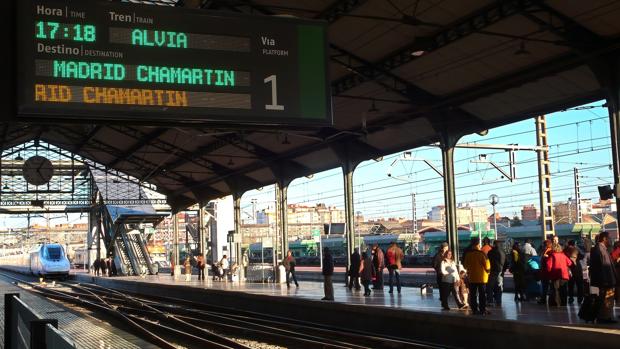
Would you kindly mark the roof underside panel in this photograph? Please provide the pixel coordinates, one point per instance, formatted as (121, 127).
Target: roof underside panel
(565, 86)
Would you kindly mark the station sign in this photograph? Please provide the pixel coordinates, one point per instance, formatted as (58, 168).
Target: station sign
(92, 60)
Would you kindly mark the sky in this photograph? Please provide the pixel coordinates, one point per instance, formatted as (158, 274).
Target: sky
(577, 138)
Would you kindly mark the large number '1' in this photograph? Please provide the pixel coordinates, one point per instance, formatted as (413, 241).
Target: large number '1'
(274, 93)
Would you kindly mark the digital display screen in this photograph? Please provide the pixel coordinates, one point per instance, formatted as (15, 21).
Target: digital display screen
(116, 61)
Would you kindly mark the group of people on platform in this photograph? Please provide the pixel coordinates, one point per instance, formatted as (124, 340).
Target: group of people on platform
(551, 275)
(104, 267)
(367, 268)
(220, 270)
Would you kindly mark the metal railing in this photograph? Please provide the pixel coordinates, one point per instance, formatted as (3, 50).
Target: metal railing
(25, 328)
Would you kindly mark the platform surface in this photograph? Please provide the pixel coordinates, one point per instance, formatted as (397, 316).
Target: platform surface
(85, 333)
(409, 299)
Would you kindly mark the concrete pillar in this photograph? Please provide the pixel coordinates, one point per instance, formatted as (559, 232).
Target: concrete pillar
(175, 239)
(448, 142)
(347, 170)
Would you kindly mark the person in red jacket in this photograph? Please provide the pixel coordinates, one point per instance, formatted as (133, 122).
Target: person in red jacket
(557, 266)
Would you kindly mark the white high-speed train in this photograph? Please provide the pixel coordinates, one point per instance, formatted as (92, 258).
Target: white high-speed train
(49, 260)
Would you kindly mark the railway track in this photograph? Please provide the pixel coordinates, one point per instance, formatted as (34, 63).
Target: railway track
(168, 322)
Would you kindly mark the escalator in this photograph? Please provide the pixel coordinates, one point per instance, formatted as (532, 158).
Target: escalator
(122, 259)
(192, 229)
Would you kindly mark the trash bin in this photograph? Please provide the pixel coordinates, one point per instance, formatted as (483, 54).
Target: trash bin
(281, 274)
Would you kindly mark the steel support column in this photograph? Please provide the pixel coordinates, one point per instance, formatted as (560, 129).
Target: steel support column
(613, 106)
(282, 205)
(201, 230)
(237, 240)
(348, 168)
(175, 239)
(448, 142)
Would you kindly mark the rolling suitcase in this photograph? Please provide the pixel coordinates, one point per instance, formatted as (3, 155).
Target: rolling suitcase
(590, 308)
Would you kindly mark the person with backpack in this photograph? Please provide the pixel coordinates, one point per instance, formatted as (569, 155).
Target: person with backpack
(576, 272)
(603, 276)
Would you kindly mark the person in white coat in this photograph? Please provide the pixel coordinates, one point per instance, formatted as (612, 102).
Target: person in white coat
(449, 280)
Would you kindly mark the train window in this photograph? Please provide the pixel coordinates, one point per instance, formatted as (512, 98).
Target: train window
(54, 252)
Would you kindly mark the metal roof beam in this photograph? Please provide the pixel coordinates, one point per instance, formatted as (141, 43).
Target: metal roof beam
(339, 8)
(87, 138)
(458, 30)
(142, 141)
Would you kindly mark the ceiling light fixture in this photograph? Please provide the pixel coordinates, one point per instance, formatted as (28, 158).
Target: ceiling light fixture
(6, 187)
(522, 51)
(418, 53)
(373, 107)
(19, 157)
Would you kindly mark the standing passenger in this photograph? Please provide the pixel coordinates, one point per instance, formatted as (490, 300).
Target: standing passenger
(486, 245)
(225, 265)
(497, 258)
(437, 262)
(365, 272)
(557, 269)
(449, 279)
(200, 264)
(603, 276)
(517, 268)
(615, 259)
(576, 272)
(354, 270)
(104, 268)
(188, 268)
(478, 268)
(378, 262)
(97, 266)
(544, 276)
(328, 271)
(394, 257)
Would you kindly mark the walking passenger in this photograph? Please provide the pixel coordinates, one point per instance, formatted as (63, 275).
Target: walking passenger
(378, 262)
(354, 270)
(576, 272)
(200, 264)
(437, 262)
(478, 268)
(557, 269)
(224, 265)
(365, 272)
(289, 267)
(603, 276)
(497, 258)
(517, 268)
(188, 268)
(394, 258)
(449, 279)
(328, 272)
(108, 264)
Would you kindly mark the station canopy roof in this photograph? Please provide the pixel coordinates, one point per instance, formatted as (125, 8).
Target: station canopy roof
(402, 71)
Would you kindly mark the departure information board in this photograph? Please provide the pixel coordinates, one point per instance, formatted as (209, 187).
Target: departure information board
(117, 61)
